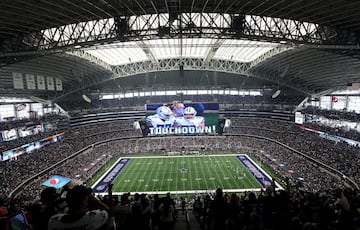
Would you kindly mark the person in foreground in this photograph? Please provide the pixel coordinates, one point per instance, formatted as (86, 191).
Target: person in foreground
(85, 212)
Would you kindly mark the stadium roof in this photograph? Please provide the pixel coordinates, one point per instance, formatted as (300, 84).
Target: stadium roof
(107, 45)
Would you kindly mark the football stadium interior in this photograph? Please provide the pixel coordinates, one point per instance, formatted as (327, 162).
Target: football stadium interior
(180, 114)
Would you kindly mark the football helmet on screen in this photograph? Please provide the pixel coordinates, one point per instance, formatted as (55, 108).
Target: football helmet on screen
(189, 112)
(164, 112)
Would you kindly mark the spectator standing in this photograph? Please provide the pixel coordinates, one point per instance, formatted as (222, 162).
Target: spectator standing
(218, 211)
(122, 213)
(41, 211)
(85, 212)
(167, 211)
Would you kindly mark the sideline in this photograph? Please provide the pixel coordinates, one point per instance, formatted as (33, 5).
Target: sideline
(100, 186)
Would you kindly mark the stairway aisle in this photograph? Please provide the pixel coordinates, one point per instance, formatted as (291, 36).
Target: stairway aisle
(181, 223)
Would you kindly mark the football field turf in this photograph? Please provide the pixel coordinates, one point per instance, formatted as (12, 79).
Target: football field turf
(183, 174)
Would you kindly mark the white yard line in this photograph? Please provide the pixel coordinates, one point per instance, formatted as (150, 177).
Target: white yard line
(188, 191)
(137, 180)
(153, 179)
(203, 171)
(177, 175)
(163, 177)
(190, 175)
(216, 172)
(224, 171)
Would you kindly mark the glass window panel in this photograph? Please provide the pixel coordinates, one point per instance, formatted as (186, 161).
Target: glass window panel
(47, 110)
(127, 95)
(6, 111)
(315, 103)
(159, 93)
(354, 104)
(325, 102)
(109, 96)
(339, 103)
(37, 108)
(191, 92)
(9, 134)
(254, 93)
(234, 92)
(13, 99)
(23, 132)
(22, 112)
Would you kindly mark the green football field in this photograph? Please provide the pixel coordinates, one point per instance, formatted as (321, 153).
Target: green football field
(183, 174)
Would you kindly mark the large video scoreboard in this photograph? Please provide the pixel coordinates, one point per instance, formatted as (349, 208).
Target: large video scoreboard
(181, 119)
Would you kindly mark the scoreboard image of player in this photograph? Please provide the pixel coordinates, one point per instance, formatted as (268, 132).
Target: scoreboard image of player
(181, 119)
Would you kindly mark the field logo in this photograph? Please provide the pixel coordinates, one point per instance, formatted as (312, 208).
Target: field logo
(183, 170)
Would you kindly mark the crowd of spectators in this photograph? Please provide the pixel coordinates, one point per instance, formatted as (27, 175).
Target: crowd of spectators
(313, 202)
(332, 114)
(338, 155)
(338, 131)
(13, 172)
(8, 145)
(279, 210)
(50, 124)
(49, 117)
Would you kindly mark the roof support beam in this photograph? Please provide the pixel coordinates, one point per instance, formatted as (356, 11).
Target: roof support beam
(213, 50)
(275, 51)
(204, 25)
(91, 58)
(190, 64)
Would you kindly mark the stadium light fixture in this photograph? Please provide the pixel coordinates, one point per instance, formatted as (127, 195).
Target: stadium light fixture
(86, 98)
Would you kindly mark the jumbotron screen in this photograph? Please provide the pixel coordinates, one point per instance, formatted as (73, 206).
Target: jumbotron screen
(181, 119)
